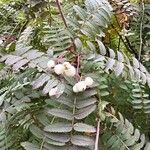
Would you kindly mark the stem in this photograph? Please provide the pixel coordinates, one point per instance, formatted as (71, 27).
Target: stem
(14, 28)
(61, 13)
(22, 28)
(41, 147)
(97, 135)
(123, 142)
(63, 18)
(49, 19)
(78, 66)
(131, 47)
(74, 109)
(73, 112)
(141, 30)
(119, 43)
(127, 44)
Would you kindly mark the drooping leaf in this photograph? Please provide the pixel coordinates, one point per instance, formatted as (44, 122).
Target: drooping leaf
(112, 53)
(120, 56)
(119, 68)
(82, 140)
(36, 131)
(59, 127)
(85, 103)
(135, 63)
(40, 81)
(84, 112)
(110, 63)
(81, 127)
(29, 146)
(81, 12)
(60, 113)
(101, 47)
(50, 84)
(58, 137)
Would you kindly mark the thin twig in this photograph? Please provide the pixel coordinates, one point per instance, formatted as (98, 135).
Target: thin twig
(127, 44)
(49, 19)
(78, 67)
(61, 13)
(14, 28)
(141, 30)
(97, 135)
(42, 144)
(21, 29)
(63, 18)
(73, 112)
(131, 47)
(119, 43)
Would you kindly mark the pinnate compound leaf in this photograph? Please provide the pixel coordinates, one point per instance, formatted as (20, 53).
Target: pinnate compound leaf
(118, 68)
(84, 112)
(12, 59)
(50, 84)
(64, 100)
(58, 137)
(52, 147)
(78, 148)
(82, 127)
(88, 93)
(142, 68)
(36, 131)
(120, 56)
(78, 43)
(82, 140)
(2, 98)
(81, 12)
(85, 103)
(112, 53)
(60, 113)
(20, 64)
(48, 146)
(57, 143)
(144, 78)
(101, 47)
(136, 63)
(91, 45)
(147, 147)
(40, 81)
(29, 146)
(110, 63)
(137, 74)
(59, 127)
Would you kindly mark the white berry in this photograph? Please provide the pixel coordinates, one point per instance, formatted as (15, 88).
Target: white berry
(50, 64)
(67, 65)
(59, 69)
(53, 91)
(79, 87)
(89, 81)
(70, 72)
(1, 42)
(75, 90)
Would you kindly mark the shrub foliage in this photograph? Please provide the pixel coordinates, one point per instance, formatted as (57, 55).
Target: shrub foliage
(96, 38)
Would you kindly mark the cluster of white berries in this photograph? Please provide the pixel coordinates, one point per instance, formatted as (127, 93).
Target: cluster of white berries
(82, 85)
(65, 68)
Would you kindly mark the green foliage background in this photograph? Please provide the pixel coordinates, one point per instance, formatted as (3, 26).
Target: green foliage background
(103, 40)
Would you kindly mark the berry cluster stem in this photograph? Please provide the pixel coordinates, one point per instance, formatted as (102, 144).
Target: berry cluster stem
(78, 66)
